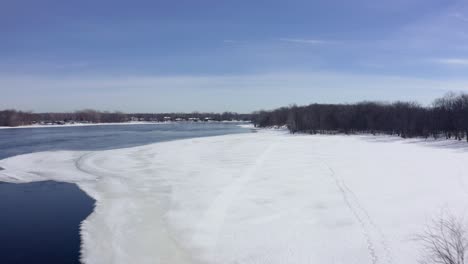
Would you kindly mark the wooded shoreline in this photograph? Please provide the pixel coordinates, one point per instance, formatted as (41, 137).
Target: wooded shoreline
(447, 117)
(14, 118)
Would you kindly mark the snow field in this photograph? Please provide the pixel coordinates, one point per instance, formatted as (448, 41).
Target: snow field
(266, 197)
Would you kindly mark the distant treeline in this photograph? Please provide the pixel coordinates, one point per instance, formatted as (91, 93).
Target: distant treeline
(447, 116)
(226, 116)
(18, 118)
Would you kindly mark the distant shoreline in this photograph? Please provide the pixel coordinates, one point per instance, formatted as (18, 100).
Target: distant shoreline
(84, 124)
(112, 124)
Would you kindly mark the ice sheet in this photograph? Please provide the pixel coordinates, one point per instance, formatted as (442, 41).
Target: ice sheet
(266, 197)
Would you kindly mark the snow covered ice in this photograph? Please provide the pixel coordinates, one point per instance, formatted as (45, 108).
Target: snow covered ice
(266, 197)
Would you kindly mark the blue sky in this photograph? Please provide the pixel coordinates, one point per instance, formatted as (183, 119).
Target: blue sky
(153, 56)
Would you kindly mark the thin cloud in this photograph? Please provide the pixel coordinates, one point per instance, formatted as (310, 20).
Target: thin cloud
(305, 41)
(460, 17)
(453, 61)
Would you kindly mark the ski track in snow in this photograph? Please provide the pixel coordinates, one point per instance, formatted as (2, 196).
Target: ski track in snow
(211, 223)
(369, 228)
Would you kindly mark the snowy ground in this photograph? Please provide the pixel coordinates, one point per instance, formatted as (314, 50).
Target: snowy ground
(266, 197)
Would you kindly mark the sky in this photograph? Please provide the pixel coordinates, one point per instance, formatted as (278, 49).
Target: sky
(215, 55)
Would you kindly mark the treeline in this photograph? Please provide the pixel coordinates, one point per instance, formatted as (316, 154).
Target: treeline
(447, 116)
(226, 116)
(18, 118)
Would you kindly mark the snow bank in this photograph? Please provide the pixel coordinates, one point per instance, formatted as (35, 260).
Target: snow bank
(246, 125)
(266, 197)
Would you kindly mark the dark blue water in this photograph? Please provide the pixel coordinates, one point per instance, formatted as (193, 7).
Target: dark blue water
(27, 140)
(39, 222)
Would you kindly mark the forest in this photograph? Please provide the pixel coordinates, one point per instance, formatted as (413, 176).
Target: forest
(445, 117)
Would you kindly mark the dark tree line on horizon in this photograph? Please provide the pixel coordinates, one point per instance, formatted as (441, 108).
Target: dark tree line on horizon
(225, 116)
(447, 117)
(18, 118)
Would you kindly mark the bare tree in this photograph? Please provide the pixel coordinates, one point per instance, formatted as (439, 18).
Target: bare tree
(444, 241)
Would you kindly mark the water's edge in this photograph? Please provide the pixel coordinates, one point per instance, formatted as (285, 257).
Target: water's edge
(27, 235)
(43, 219)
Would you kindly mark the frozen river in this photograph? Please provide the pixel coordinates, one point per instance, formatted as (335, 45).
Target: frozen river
(266, 197)
(40, 221)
